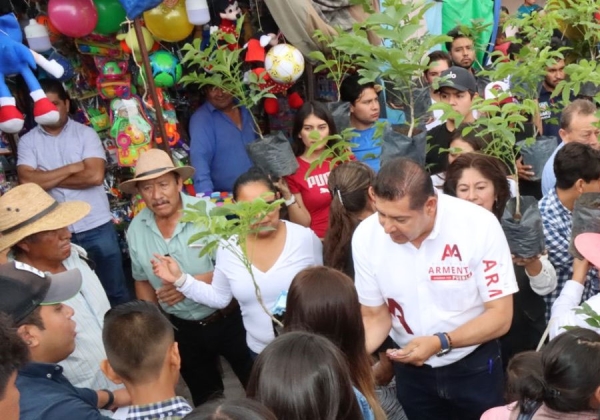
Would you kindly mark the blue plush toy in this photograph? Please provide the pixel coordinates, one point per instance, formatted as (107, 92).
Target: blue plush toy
(16, 58)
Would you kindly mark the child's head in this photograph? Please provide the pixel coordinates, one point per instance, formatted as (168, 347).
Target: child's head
(139, 344)
(523, 370)
(565, 375)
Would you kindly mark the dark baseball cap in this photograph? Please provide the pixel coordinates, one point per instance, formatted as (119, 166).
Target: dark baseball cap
(23, 288)
(458, 78)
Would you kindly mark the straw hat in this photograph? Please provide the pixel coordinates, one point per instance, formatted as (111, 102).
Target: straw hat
(28, 209)
(152, 164)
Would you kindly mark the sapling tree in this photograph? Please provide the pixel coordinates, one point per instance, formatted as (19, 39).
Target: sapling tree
(335, 62)
(401, 58)
(221, 67)
(229, 227)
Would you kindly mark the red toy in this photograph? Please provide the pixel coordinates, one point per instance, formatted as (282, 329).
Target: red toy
(229, 12)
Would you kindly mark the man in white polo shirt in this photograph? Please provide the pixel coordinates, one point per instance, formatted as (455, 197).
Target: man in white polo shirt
(435, 273)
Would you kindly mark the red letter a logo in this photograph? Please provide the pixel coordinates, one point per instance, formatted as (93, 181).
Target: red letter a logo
(451, 252)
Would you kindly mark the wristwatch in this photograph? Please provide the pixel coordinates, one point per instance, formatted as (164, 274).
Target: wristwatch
(446, 344)
(291, 201)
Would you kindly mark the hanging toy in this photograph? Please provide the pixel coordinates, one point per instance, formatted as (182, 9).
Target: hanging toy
(255, 55)
(131, 130)
(130, 45)
(16, 58)
(166, 70)
(169, 116)
(113, 79)
(229, 12)
(197, 12)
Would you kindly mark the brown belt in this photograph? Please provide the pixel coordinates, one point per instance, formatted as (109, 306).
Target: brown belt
(216, 316)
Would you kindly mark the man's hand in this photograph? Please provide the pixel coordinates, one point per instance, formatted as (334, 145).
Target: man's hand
(580, 269)
(524, 171)
(165, 268)
(417, 352)
(169, 295)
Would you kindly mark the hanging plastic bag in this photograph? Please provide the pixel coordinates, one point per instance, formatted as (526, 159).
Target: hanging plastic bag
(396, 143)
(273, 154)
(525, 236)
(586, 218)
(538, 154)
(340, 111)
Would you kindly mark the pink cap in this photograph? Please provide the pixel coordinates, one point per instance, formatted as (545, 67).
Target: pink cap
(588, 245)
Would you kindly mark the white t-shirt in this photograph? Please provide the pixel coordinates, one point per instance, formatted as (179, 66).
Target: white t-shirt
(463, 263)
(302, 249)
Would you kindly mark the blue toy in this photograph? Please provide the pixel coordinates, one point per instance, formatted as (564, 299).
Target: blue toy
(16, 58)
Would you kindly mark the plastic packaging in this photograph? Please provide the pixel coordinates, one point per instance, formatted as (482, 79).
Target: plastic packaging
(274, 155)
(37, 36)
(197, 11)
(538, 154)
(586, 218)
(397, 144)
(525, 236)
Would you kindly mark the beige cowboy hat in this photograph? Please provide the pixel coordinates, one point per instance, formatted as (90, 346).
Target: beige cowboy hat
(28, 209)
(152, 164)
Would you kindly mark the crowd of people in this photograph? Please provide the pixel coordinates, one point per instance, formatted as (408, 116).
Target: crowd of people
(403, 299)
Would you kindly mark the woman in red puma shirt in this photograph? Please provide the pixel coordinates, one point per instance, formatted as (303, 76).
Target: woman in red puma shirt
(308, 198)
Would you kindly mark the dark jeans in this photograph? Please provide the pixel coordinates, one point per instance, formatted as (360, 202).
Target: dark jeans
(461, 391)
(200, 347)
(102, 246)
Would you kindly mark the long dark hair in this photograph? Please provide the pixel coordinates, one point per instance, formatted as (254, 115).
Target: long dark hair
(490, 167)
(309, 108)
(349, 188)
(571, 373)
(302, 376)
(324, 301)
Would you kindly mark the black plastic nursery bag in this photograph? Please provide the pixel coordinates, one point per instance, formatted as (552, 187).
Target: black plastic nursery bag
(526, 236)
(396, 143)
(586, 218)
(538, 154)
(273, 154)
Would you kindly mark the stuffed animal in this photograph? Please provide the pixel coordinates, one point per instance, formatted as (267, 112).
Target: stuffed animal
(16, 58)
(229, 12)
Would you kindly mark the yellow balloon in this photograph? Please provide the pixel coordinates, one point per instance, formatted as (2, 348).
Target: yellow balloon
(168, 21)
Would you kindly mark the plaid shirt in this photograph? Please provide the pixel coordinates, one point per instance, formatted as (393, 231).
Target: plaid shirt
(557, 222)
(172, 409)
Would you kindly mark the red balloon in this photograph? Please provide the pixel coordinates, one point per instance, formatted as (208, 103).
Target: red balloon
(74, 18)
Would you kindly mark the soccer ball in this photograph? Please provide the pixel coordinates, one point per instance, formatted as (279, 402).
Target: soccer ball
(284, 63)
(166, 69)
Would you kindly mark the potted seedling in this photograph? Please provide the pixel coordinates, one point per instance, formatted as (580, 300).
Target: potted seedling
(229, 227)
(222, 67)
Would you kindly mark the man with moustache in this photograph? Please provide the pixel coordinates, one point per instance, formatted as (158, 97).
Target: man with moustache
(202, 333)
(220, 131)
(443, 296)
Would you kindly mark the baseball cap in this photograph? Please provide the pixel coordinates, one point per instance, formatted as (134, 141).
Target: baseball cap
(459, 79)
(495, 89)
(588, 245)
(24, 288)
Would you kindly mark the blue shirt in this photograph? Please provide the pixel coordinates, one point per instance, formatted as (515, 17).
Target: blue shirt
(218, 148)
(368, 149)
(46, 394)
(548, 176)
(550, 112)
